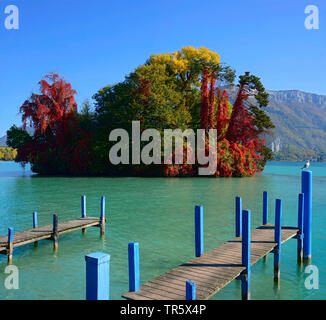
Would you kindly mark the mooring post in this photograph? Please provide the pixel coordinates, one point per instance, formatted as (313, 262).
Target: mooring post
(83, 210)
(277, 239)
(34, 219)
(10, 244)
(265, 207)
(83, 206)
(55, 234)
(199, 230)
(306, 189)
(246, 251)
(190, 290)
(300, 227)
(102, 219)
(97, 276)
(35, 224)
(133, 263)
(265, 215)
(238, 216)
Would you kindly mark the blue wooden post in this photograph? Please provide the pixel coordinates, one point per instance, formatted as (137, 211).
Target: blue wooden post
(83, 206)
(34, 219)
(10, 244)
(306, 185)
(83, 210)
(190, 290)
(246, 251)
(133, 262)
(199, 230)
(102, 218)
(277, 239)
(97, 276)
(35, 224)
(265, 207)
(238, 216)
(55, 234)
(300, 227)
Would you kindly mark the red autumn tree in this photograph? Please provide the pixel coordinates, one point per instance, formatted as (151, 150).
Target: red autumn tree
(241, 127)
(211, 101)
(222, 114)
(58, 144)
(52, 107)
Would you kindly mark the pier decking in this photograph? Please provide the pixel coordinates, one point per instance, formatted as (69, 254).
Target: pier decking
(213, 270)
(51, 232)
(46, 232)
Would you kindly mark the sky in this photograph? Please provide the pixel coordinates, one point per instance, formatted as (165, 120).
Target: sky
(96, 43)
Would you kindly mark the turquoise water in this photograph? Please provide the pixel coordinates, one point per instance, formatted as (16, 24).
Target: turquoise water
(159, 214)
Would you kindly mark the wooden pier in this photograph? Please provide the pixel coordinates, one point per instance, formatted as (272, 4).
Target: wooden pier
(50, 232)
(203, 276)
(213, 270)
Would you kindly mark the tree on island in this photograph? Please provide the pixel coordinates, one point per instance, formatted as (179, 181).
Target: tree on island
(58, 145)
(181, 90)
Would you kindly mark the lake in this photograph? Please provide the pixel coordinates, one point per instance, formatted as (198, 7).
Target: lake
(159, 214)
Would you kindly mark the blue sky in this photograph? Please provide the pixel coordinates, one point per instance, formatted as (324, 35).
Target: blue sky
(95, 43)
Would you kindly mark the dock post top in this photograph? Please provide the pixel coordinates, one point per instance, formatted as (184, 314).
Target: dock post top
(10, 234)
(265, 207)
(34, 219)
(97, 276)
(133, 266)
(190, 290)
(55, 218)
(102, 206)
(97, 258)
(238, 216)
(199, 231)
(306, 189)
(83, 206)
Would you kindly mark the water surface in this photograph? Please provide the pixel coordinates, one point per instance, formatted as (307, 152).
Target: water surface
(159, 214)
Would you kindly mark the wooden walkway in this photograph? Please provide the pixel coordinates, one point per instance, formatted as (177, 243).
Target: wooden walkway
(46, 232)
(213, 270)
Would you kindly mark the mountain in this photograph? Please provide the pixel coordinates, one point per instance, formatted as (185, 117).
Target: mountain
(300, 121)
(300, 124)
(3, 141)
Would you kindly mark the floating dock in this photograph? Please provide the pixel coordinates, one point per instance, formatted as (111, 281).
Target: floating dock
(50, 232)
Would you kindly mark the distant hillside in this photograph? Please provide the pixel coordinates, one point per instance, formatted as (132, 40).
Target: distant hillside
(3, 141)
(300, 121)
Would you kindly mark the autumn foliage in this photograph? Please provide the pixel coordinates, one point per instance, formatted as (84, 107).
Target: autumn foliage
(239, 144)
(169, 91)
(59, 145)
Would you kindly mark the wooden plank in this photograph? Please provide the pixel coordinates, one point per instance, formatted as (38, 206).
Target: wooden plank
(213, 270)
